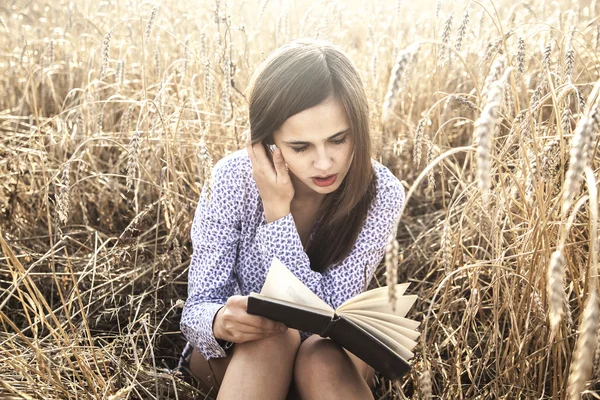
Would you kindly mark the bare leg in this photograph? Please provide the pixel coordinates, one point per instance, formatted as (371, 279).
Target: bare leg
(324, 370)
(261, 369)
(210, 373)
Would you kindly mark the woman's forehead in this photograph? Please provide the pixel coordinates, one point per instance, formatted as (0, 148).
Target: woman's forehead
(316, 123)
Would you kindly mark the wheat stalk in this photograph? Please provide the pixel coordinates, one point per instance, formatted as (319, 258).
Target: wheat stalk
(398, 70)
(507, 95)
(581, 366)
(156, 57)
(63, 202)
(425, 384)
(374, 63)
(546, 56)
(537, 94)
(521, 56)
(580, 99)
(207, 81)
(495, 73)
(464, 102)
(555, 288)
(596, 366)
(203, 47)
(587, 342)
(105, 52)
(565, 120)
(484, 130)
(418, 139)
(446, 245)
(492, 49)
(262, 9)
(569, 61)
(153, 13)
(445, 40)
(391, 268)
(462, 30)
(206, 162)
(583, 137)
(431, 173)
(186, 55)
(51, 53)
(551, 158)
(132, 159)
(225, 97)
(126, 120)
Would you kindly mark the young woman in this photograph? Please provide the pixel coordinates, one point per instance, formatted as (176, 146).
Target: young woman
(305, 189)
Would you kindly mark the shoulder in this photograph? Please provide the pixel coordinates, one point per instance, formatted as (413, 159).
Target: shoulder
(238, 161)
(390, 191)
(233, 169)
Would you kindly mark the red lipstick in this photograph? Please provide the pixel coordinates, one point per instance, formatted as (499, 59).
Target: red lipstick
(326, 181)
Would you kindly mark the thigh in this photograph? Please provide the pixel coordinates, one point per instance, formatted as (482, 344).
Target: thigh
(365, 370)
(210, 373)
(313, 347)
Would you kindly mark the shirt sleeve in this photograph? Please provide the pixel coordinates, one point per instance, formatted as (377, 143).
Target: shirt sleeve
(215, 233)
(346, 279)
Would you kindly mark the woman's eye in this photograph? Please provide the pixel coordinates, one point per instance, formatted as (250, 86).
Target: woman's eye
(301, 149)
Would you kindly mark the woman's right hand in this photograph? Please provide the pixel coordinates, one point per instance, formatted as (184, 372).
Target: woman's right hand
(233, 324)
(272, 180)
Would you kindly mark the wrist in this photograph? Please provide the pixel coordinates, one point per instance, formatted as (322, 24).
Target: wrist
(217, 324)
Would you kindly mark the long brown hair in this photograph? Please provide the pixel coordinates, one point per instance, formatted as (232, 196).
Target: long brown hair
(301, 75)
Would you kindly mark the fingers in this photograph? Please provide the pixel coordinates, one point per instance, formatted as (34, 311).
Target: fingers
(257, 155)
(264, 169)
(279, 163)
(255, 323)
(244, 337)
(237, 315)
(250, 149)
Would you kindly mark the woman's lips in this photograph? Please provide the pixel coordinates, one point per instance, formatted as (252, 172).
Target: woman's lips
(325, 182)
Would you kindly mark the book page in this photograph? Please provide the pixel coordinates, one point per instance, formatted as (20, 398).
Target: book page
(393, 319)
(380, 292)
(282, 284)
(409, 333)
(403, 304)
(389, 341)
(405, 342)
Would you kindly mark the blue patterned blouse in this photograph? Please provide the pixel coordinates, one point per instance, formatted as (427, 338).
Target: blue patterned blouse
(233, 247)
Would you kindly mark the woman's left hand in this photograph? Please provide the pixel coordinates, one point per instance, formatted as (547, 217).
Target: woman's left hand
(272, 179)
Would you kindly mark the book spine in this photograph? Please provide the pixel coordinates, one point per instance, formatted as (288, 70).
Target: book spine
(330, 326)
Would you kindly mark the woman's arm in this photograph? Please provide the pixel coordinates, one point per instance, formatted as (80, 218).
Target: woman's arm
(280, 238)
(215, 237)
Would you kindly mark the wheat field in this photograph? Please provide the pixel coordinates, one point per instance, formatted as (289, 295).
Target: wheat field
(113, 114)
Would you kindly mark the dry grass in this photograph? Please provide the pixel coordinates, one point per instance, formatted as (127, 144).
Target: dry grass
(113, 114)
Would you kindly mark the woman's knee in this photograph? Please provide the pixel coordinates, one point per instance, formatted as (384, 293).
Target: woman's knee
(283, 344)
(319, 358)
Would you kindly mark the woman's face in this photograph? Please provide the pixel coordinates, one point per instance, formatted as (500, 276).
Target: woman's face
(316, 143)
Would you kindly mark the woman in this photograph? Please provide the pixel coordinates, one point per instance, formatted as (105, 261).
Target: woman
(305, 189)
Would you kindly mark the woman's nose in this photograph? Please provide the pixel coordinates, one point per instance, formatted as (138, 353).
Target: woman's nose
(324, 161)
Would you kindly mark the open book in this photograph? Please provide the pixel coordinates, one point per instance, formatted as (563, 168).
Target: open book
(365, 325)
